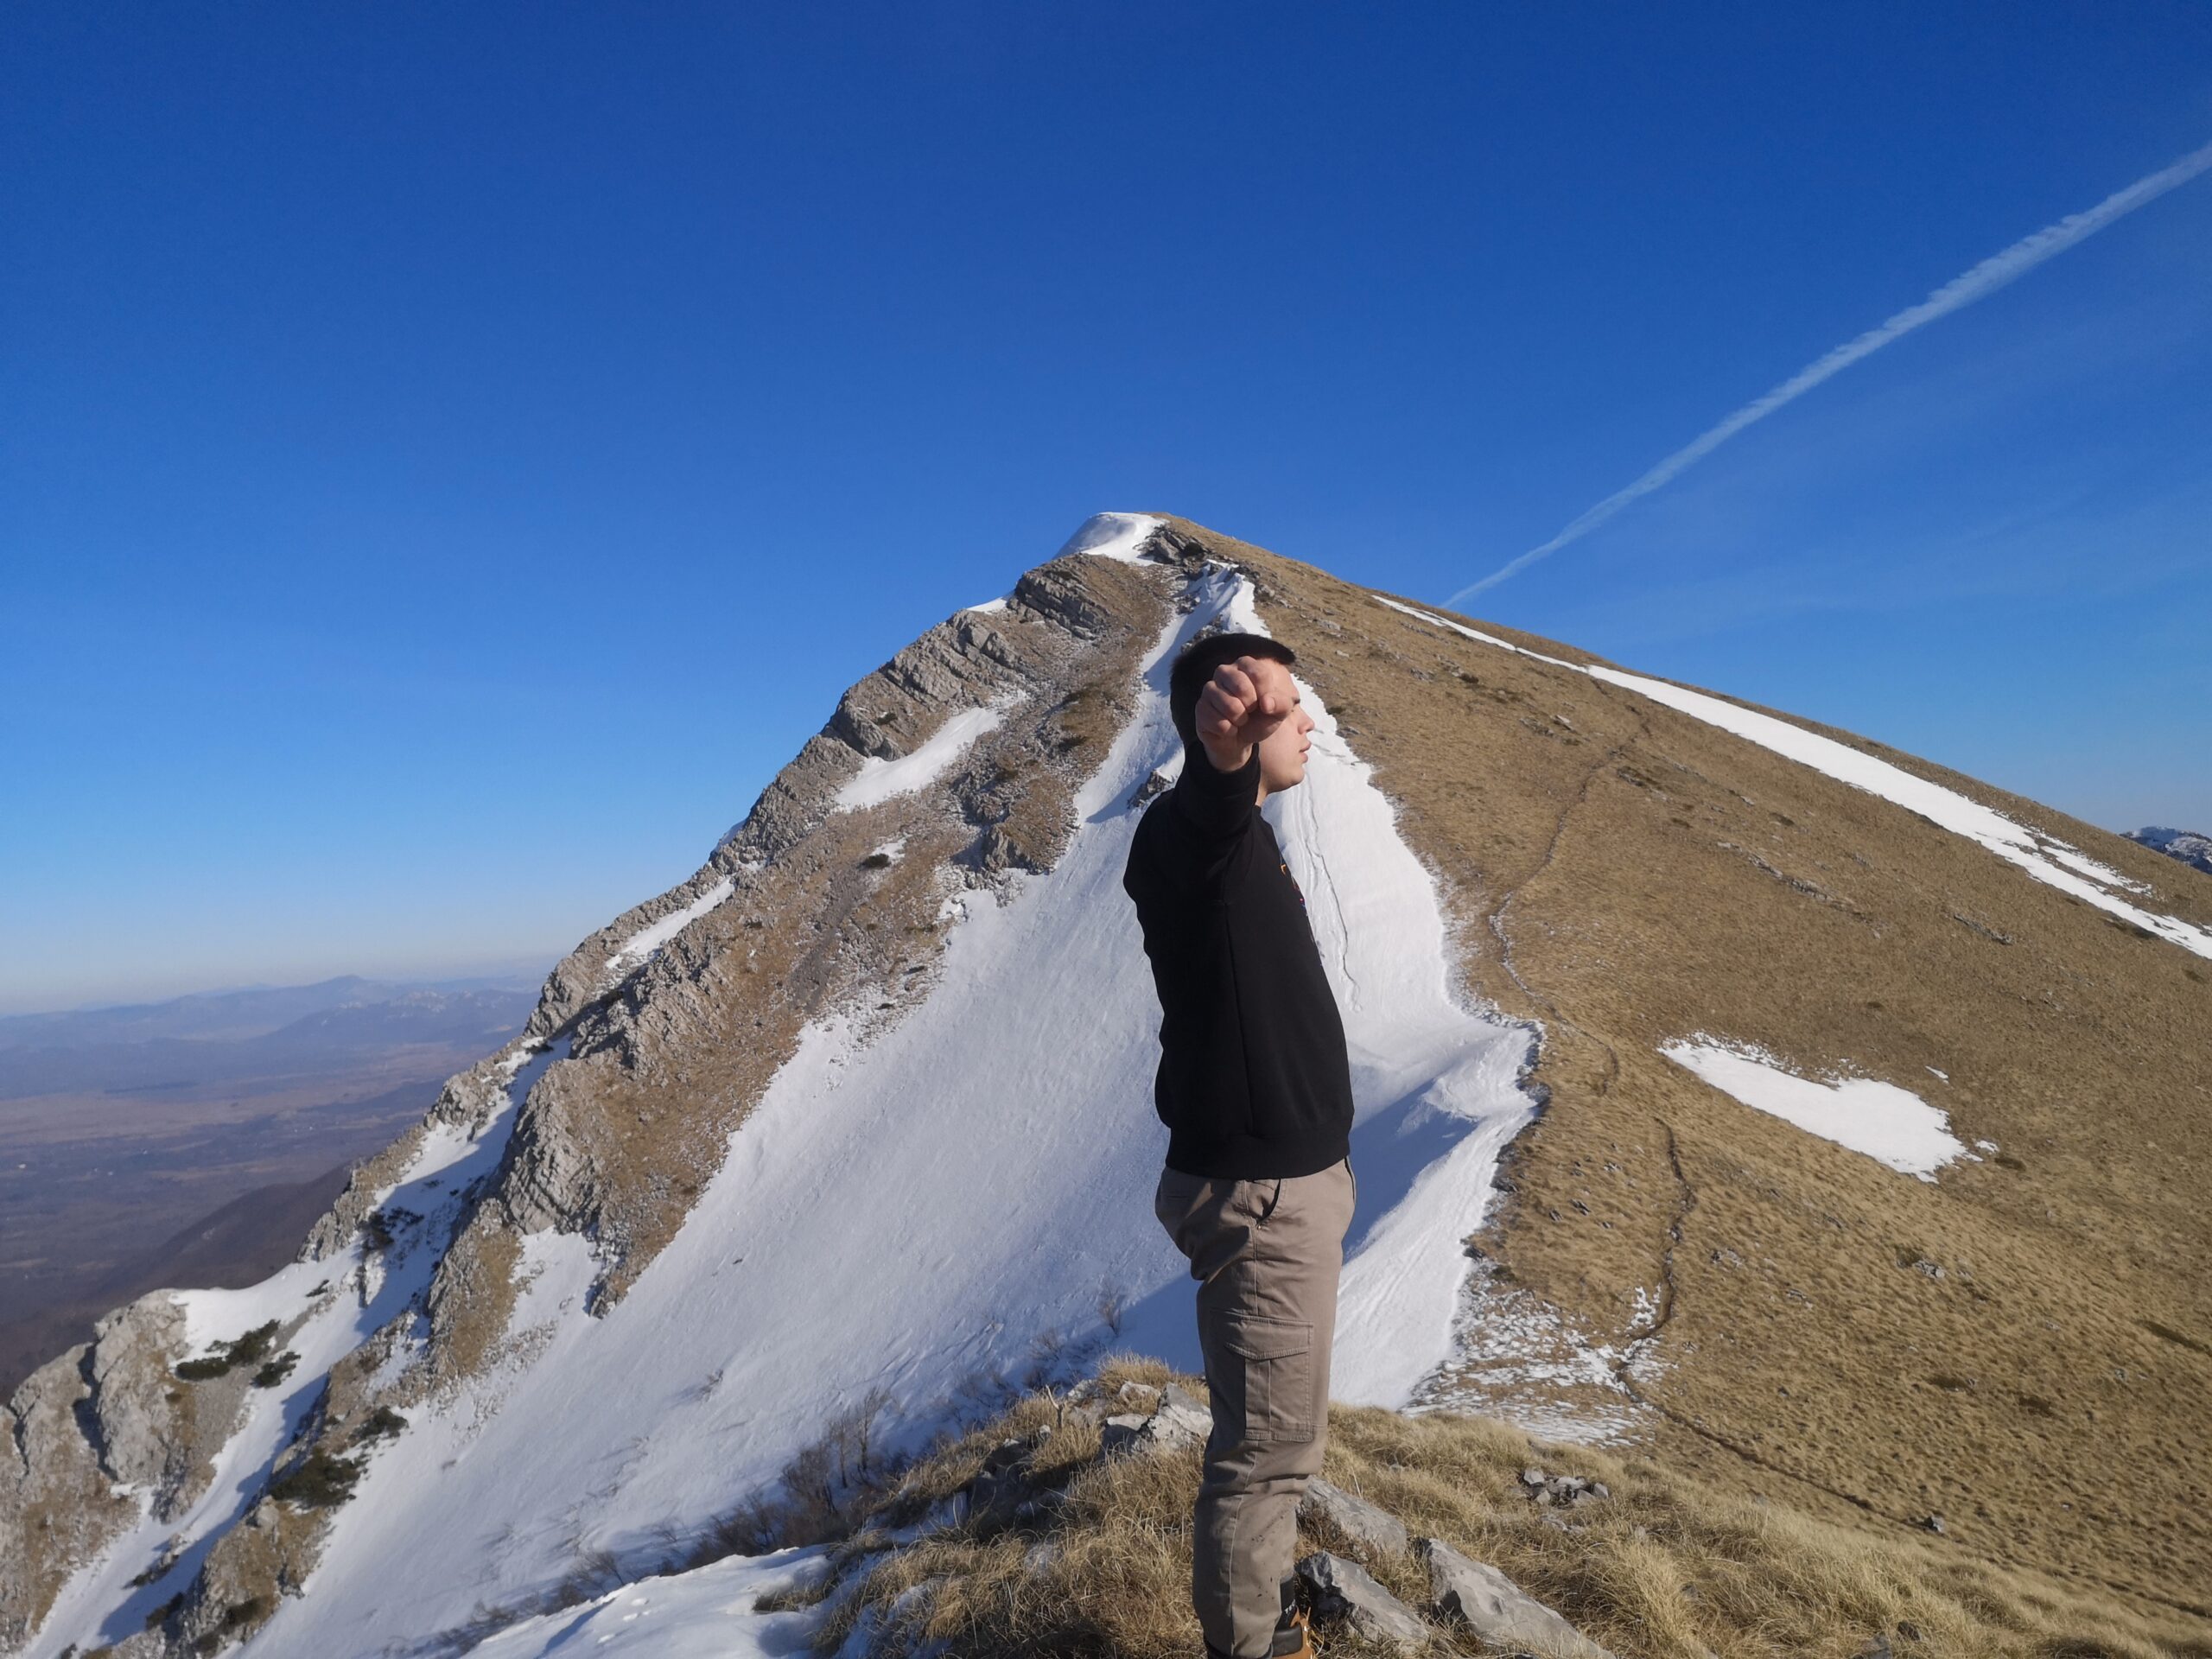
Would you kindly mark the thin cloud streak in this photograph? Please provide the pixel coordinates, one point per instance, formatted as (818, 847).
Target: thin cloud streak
(1985, 278)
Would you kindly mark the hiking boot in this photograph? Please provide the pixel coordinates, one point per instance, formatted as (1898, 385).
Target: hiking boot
(1295, 1637)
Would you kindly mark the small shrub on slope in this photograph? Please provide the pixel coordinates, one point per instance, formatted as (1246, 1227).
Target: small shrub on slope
(226, 1356)
(320, 1481)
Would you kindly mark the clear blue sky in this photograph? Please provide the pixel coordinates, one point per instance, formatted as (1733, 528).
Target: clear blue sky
(454, 456)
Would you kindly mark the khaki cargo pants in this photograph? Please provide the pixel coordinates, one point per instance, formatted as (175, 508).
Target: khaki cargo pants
(1267, 1254)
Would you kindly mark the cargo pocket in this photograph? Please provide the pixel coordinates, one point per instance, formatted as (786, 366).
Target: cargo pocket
(1267, 1368)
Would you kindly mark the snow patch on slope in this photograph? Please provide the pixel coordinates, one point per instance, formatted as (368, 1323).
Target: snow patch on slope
(1112, 535)
(1891, 1125)
(1521, 1360)
(879, 779)
(2043, 857)
(640, 946)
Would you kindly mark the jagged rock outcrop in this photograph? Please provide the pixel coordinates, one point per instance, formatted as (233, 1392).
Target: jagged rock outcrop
(1495, 1609)
(1345, 1590)
(135, 1402)
(92, 1434)
(57, 1505)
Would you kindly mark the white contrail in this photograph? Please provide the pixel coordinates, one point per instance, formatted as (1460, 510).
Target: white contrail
(1987, 277)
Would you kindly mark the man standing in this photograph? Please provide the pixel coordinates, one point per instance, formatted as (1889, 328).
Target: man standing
(1256, 1091)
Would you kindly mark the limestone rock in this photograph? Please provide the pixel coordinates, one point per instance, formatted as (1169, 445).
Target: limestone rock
(1372, 1531)
(1179, 1422)
(105, 1416)
(1569, 1489)
(1345, 1590)
(1493, 1606)
(1181, 1398)
(128, 1368)
(151, 1430)
(1156, 783)
(57, 1509)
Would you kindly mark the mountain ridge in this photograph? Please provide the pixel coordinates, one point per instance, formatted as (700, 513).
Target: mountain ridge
(1531, 798)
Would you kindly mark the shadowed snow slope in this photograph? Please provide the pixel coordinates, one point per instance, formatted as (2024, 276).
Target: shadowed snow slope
(912, 1210)
(707, 1613)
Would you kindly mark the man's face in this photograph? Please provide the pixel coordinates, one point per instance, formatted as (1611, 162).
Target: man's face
(1282, 751)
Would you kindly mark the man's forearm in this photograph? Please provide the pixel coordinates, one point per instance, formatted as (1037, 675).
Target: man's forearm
(1217, 801)
(1226, 757)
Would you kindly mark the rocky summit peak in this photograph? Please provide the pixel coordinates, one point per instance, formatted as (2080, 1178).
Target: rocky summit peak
(2187, 845)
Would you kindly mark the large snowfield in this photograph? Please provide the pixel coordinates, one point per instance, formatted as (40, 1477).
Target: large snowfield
(917, 1212)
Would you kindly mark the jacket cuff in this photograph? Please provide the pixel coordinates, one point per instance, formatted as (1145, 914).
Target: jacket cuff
(1243, 784)
(1214, 802)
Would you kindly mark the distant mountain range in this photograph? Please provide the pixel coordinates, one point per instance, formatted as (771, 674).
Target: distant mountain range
(2190, 848)
(255, 1011)
(295, 1031)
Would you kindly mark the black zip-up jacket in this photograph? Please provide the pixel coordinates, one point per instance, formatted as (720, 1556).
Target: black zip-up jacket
(1254, 1082)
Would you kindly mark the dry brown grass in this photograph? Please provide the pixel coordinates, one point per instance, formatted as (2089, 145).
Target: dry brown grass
(1665, 1568)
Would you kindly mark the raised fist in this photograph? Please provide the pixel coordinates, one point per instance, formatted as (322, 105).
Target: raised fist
(1245, 701)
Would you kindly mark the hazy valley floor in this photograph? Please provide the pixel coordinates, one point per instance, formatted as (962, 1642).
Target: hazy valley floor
(104, 1197)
